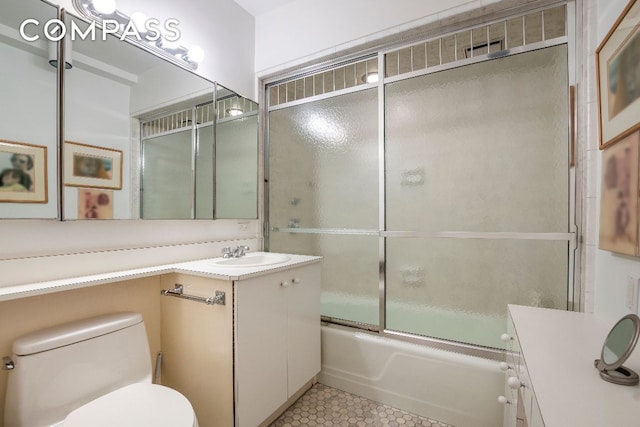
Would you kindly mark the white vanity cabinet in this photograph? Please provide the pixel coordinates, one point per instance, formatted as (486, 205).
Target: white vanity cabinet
(242, 362)
(239, 337)
(519, 401)
(550, 373)
(277, 340)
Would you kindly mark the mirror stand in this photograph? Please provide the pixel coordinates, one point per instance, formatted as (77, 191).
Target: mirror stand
(620, 375)
(617, 348)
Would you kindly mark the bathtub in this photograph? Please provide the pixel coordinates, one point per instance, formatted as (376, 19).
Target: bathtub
(446, 323)
(450, 387)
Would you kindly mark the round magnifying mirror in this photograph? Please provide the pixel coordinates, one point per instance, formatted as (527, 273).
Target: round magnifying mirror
(617, 348)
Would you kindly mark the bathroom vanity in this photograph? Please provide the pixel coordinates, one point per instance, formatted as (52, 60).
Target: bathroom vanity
(259, 351)
(550, 376)
(241, 359)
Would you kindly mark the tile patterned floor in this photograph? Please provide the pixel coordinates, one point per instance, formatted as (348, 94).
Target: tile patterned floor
(330, 407)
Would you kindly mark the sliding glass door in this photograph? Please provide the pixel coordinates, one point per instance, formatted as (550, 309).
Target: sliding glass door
(438, 195)
(477, 182)
(323, 196)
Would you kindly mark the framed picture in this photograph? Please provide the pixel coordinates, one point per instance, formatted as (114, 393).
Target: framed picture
(23, 172)
(619, 196)
(95, 203)
(618, 71)
(92, 167)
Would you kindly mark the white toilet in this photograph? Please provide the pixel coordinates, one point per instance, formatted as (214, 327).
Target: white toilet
(94, 372)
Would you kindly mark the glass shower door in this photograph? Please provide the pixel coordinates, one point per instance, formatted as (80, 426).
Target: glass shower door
(323, 196)
(167, 179)
(477, 198)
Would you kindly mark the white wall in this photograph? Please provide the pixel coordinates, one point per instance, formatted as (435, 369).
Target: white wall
(611, 270)
(303, 30)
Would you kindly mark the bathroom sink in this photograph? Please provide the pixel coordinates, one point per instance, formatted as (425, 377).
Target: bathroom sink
(256, 259)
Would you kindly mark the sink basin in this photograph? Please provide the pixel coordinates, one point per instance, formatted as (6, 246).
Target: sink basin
(256, 259)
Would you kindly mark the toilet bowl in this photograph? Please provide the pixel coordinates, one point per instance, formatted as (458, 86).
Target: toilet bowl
(133, 406)
(93, 372)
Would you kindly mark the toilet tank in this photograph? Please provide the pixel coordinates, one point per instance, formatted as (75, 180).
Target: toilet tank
(61, 368)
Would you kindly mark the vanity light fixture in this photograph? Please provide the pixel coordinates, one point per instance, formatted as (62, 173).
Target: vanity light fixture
(196, 53)
(104, 7)
(106, 10)
(139, 19)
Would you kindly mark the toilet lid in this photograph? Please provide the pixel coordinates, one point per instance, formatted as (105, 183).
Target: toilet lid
(140, 404)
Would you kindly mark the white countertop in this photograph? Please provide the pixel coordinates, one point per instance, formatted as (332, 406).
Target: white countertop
(203, 268)
(559, 348)
(208, 268)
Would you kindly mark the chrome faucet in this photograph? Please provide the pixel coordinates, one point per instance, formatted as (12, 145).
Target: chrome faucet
(237, 252)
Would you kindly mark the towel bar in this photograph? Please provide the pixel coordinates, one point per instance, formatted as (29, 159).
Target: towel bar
(178, 291)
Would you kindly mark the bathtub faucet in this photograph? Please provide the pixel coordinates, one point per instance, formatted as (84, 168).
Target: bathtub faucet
(237, 252)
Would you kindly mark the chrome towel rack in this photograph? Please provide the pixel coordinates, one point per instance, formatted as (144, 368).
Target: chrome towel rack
(178, 291)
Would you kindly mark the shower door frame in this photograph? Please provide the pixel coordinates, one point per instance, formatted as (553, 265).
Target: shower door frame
(574, 293)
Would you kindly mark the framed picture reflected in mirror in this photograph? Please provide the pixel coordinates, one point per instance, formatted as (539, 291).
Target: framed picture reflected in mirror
(91, 166)
(23, 172)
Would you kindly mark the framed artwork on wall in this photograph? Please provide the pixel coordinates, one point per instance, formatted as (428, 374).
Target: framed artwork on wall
(23, 172)
(619, 196)
(94, 203)
(618, 75)
(91, 166)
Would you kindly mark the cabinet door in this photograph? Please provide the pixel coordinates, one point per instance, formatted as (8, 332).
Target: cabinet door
(261, 347)
(303, 301)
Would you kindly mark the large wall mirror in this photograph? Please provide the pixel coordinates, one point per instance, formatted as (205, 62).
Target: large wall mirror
(236, 154)
(217, 143)
(146, 139)
(28, 131)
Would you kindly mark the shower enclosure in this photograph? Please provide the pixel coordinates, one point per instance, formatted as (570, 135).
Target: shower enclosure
(438, 194)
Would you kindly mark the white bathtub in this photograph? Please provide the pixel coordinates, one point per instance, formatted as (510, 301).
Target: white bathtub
(454, 388)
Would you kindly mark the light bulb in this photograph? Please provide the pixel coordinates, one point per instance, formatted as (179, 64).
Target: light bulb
(196, 54)
(139, 19)
(105, 7)
(234, 111)
(372, 78)
(168, 44)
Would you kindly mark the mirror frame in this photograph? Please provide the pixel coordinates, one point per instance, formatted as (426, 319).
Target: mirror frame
(615, 372)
